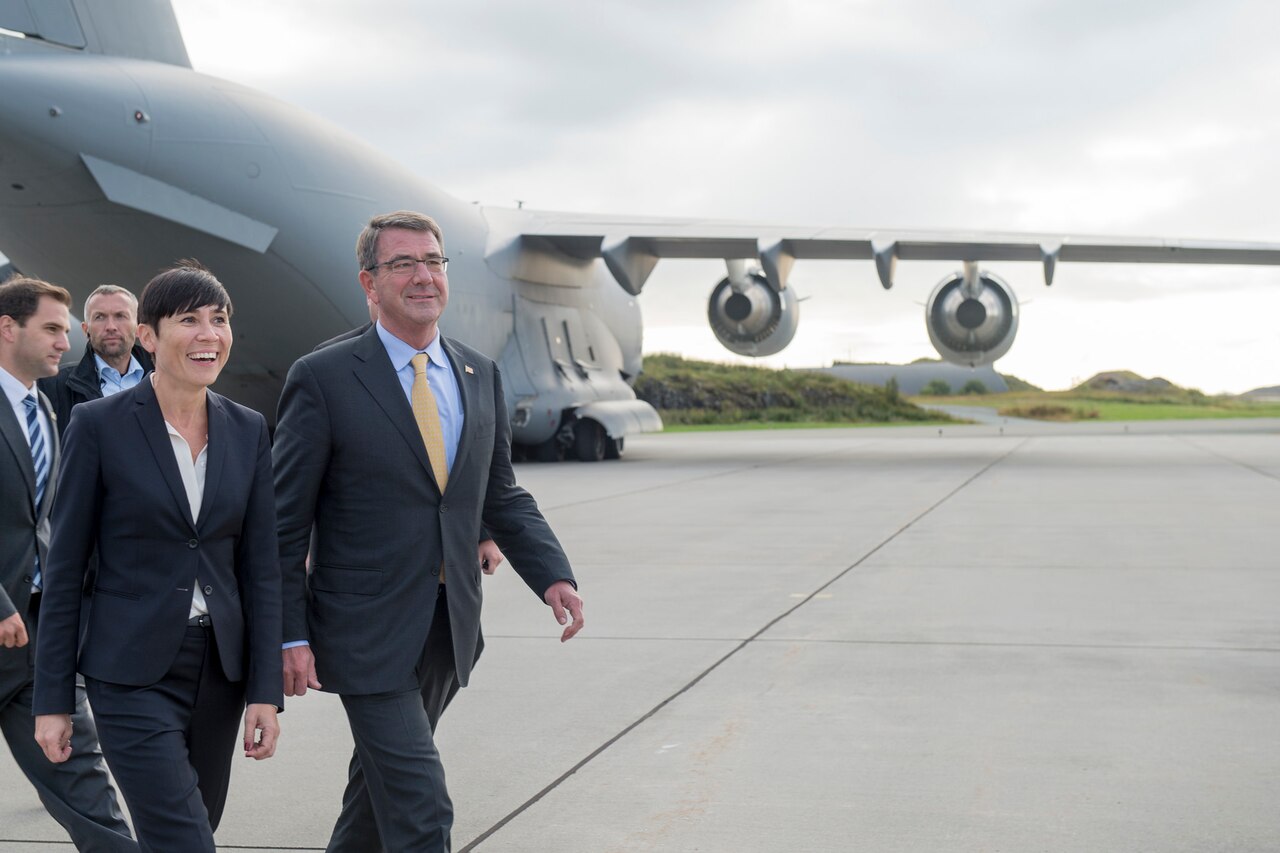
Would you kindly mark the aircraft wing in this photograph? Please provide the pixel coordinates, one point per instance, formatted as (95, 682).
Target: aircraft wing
(140, 29)
(632, 246)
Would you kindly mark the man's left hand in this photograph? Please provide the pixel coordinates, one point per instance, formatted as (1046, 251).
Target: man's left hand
(566, 605)
(261, 731)
(490, 556)
(53, 733)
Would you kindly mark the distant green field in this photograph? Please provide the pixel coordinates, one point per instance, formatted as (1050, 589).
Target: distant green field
(696, 395)
(758, 425)
(1106, 406)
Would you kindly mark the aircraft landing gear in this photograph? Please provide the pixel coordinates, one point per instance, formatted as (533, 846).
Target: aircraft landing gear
(584, 439)
(546, 451)
(589, 440)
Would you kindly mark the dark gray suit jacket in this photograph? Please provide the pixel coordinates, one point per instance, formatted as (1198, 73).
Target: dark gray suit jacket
(121, 492)
(23, 528)
(348, 456)
(345, 336)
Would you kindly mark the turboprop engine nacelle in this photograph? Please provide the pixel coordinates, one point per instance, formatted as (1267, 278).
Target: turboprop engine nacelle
(751, 318)
(972, 318)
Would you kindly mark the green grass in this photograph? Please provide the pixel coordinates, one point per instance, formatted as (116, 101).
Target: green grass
(700, 395)
(1109, 406)
(706, 394)
(743, 426)
(1118, 411)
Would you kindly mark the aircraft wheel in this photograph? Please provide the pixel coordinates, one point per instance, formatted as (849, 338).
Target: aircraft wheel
(613, 448)
(544, 451)
(589, 440)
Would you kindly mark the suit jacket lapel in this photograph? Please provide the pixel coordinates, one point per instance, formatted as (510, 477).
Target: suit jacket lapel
(216, 455)
(374, 370)
(151, 422)
(467, 391)
(55, 453)
(15, 436)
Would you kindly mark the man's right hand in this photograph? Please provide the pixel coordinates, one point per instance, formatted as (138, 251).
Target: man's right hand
(299, 671)
(13, 632)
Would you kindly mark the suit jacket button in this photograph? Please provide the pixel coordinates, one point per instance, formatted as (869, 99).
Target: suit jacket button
(27, 579)
(208, 590)
(444, 507)
(435, 571)
(193, 543)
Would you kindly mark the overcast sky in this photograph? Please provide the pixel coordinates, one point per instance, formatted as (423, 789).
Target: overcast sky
(1154, 119)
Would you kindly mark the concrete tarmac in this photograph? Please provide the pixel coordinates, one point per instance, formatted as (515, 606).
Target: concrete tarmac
(981, 638)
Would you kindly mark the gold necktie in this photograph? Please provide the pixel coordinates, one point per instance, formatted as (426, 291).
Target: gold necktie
(427, 416)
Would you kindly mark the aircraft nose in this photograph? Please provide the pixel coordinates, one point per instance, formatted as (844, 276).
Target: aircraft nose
(55, 108)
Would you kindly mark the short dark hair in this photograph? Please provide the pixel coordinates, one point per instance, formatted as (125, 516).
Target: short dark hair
(20, 297)
(185, 286)
(367, 242)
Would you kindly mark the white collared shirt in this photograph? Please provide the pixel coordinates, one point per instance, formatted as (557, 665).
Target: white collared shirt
(193, 481)
(15, 392)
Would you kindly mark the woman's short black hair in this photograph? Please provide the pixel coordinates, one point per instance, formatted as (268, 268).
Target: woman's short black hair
(184, 287)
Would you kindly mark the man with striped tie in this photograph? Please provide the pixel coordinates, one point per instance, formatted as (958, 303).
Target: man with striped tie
(34, 321)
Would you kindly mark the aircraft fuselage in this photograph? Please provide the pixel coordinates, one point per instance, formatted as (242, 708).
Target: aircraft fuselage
(111, 169)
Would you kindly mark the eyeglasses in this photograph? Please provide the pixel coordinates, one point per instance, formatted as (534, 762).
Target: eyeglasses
(406, 266)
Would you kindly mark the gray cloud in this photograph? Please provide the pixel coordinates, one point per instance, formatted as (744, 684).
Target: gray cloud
(1145, 118)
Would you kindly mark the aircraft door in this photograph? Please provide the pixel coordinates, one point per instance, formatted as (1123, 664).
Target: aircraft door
(549, 366)
(563, 368)
(558, 355)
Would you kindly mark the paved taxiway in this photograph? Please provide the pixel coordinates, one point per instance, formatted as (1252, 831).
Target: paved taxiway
(1058, 638)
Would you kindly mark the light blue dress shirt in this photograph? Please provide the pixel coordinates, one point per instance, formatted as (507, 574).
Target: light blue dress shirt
(111, 381)
(444, 385)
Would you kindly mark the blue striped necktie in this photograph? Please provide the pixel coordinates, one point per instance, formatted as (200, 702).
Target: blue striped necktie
(40, 458)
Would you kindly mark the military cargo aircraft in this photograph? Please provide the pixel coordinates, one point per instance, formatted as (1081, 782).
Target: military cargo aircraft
(116, 158)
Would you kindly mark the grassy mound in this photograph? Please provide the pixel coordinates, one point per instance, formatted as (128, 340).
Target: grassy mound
(690, 392)
(1119, 395)
(1017, 384)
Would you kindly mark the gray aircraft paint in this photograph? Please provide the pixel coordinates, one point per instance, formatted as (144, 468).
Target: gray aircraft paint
(117, 159)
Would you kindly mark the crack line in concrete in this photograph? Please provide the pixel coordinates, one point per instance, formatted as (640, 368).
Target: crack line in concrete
(555, 783)
(998, 645)
(1255, 469)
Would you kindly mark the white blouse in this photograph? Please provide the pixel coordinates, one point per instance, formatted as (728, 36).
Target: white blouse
(193, 481)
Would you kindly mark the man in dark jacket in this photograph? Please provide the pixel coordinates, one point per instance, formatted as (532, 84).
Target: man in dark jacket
(113, 359)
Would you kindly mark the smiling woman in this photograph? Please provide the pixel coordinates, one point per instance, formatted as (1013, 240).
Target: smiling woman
(184, 321)
(172, 483)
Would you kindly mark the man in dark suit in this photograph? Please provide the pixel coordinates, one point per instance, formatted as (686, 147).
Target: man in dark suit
(113, 359)
(34, 321)
(395, 445)
(490, 555)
